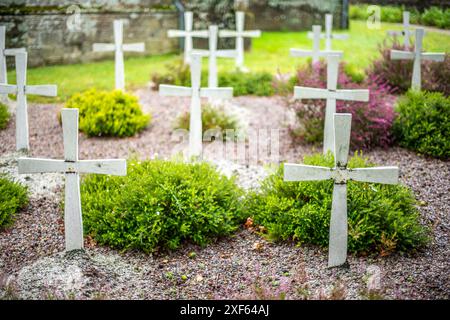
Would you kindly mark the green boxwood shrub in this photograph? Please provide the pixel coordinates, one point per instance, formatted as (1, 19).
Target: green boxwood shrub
(380, 217)
(436, 16)
(212, 118)
(251, 83)
(104, 113)
(423, 123)
(4, 116)
(160, 204)
(13, 197)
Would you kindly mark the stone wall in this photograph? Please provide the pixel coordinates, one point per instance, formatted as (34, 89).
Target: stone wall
(296, 15)
(62, 32)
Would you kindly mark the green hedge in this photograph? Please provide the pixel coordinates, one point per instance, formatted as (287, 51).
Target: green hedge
(423, 123)
(160, 204)
(4, 116)
(381, 218)
(13, 197)
(104, 113)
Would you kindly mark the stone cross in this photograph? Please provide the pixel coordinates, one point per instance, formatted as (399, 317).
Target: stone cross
(406, 32)
(188, 34)
(119, 47)
(213, 54)
(196, 93)
(315, 53)
(21, 89)
(329, 36)
(331, 94)
(72, 167)
(239, 34)
(417, 55)
(3, 54)
(340, 174)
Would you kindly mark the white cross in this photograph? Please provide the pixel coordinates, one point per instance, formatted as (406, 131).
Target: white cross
(72, 167)
(331, 94)
(337, 253)
(188, 34)
(119, 47)
(213, 54)
(417, 57)
(21, 89)
(239, 34)
(3, 54)
(329, 36)
(195, 92)
(406, 32)
(315, 53)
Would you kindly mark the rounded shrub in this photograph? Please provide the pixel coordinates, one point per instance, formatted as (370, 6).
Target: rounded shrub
(381, 218)
(371, 121)
(4, 116)
(212, 118)
(13, 197)
(248, 83)
(104, 113)
(160, 204)
(423, 123)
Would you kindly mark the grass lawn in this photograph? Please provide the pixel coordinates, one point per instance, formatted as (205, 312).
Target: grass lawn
(269, 53)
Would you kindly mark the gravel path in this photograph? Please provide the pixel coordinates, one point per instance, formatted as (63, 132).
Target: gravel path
(32, 265)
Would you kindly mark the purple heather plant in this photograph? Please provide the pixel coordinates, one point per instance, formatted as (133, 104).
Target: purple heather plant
(371, 121)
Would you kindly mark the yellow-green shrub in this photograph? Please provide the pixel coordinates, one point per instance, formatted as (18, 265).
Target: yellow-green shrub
(104, 113)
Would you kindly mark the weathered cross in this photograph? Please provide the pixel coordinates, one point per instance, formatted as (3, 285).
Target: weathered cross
(340, 174)
(331, 94)
(195, 92)
(406, 32)
(329, 36)
(188, 34)
(119, 47)
(417, 55)
(213, 54)
(3, 54)
(72, 167)
(21, 89)
(239, 34)
(315, 53)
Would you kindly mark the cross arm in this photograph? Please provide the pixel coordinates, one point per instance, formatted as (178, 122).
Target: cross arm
(136, 47)
(8, 89)
(117, 167)
(228, 33)
(216, 93)
(251, 33)
(387, 175)
(402, 55)
(38, 165)
(201, 52)
(302, 172)
(200, 33)
(226, 53)
(48, 90)
(353, 94)
(103, 47)
(176, 33)
(171, 90)
(435, 56)
(13, 51)
(311, 93)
